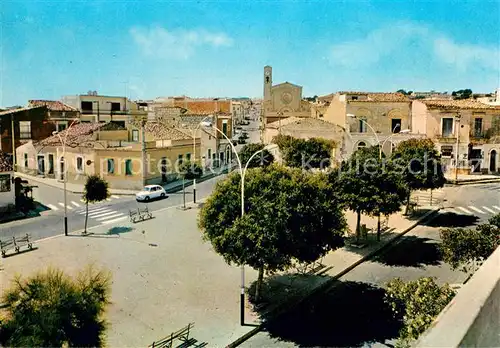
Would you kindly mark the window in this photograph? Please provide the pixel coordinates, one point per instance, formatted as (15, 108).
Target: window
(209, 153)
(4, 182)
(128, 167)
(26, 160)
(87, 106)
(478, 127)
(396, 125)
(115, 106)
(164, 165)
(188, 157)
(111, 166)
(447, 151)
(179, 159)
(362, 126)
(119, 123)
(135, 135)
(79, 164)
(354, 98)
(361, 144)
(446, 126)
(25, 129)
(60, 126)
(224, 127)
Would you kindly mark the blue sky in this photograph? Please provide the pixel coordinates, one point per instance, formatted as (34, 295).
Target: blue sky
(219, 48)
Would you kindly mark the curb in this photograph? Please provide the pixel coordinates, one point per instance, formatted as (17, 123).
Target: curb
(333, 279)
(472, 182)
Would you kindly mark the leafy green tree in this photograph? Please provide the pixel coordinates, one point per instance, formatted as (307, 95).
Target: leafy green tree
(264, 158)
(369, 185)
(95, 190)
(189, 171)
(290, 215)
(305, 154)
(462, 94)
(469, 248)
(51, 309)
(419, 164)
(402, 91)
(417, 303)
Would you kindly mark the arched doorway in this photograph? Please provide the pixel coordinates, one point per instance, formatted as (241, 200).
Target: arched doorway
(493, 161)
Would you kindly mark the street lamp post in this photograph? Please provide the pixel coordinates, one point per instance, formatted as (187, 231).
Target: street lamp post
(458, 117)
(64, 173)
(242, 175)
(194, 153)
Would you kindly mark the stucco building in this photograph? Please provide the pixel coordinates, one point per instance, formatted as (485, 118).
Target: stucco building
(282, 100)
(7, 193)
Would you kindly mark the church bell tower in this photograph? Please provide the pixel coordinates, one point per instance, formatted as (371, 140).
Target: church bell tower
(268, 82)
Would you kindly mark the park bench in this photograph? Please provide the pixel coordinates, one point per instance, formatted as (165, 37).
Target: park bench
(309, 268)
(181, 335)
(15, 243)
(140, 214)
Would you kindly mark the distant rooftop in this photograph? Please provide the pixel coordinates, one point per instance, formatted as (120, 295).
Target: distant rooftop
(456, 104)
(52, 105)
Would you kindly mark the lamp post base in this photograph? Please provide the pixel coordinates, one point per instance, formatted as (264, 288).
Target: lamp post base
(242, 308)
(65, 225)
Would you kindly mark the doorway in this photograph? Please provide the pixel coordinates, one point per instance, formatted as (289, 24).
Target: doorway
(493, 161)
(41, 164)
(51, 164)
(475, 160)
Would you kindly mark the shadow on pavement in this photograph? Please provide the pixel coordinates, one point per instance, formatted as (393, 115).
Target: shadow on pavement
(452, 220)
(417, 214)
(411, 251)
(119, 230)
(351, 314)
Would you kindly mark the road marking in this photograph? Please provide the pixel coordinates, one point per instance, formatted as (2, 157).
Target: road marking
(95, 210)
(98, 215)
(113, 221)
(476, 209)
(82, 200)
(496, 207)
(108, 199)
(53, 207)
(453, 211)
(490, 210)
(75, 204)
(114, 196)
(111, 216)
(62, 205)
(465, 210)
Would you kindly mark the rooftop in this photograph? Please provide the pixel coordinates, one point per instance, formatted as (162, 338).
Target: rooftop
(80, 134)
(162, 131)
(5, 162)
(464, 104)
(13, 111)
(204, 107)
(52, 105)
(291, 123)
(378, 96)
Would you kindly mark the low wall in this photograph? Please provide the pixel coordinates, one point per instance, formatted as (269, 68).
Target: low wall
(472, 318)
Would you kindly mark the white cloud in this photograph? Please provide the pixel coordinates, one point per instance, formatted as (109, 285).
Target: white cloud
(176, 44)
(412, 39)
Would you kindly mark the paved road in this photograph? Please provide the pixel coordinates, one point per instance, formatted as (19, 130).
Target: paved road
(109, 212)
(353, 312)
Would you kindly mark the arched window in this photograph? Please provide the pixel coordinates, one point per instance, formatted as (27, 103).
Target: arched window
(361, 144)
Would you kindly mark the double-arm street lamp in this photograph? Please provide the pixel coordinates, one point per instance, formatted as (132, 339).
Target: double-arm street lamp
(243, 171)
(63, 161)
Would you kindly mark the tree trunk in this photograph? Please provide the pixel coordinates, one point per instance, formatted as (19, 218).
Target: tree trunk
(407, 203)
(86, 216)
(358, 226)
(183, 194)
(378, 228)
(258, 286)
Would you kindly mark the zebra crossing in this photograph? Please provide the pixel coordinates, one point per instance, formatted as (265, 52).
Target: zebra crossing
(424, 197)
(473, 210)
(71, 205)
(103, 214)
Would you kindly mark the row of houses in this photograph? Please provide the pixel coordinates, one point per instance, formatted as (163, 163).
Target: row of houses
(466, 132)
(115, 137)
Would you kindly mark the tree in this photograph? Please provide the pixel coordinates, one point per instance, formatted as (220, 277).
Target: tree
(264, 158)
(95, 190)
(305, 154)
(462, 94)
(402, 91)
(419, 164)
(290, 215)
(189, 171)
(369, 185)
(51, 309)
(417, 303)
(469, 248)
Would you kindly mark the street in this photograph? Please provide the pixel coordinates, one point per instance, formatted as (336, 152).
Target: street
(353, 312)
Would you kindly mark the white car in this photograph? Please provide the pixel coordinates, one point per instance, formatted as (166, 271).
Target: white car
(151, 192)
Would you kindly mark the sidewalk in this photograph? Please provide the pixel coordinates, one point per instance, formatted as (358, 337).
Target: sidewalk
(464, 179)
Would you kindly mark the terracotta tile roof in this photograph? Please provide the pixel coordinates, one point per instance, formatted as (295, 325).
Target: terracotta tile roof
(456, 104)
(378, 96)
(5, 162)
(204, 107)
(80, 134)
(326, 98)
(191, 122)
(52, 105)
(12, 111)
(163, 131)
(310, 123)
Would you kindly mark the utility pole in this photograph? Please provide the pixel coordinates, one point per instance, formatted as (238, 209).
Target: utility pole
(144, 158)
(13, 141)
(458, 144)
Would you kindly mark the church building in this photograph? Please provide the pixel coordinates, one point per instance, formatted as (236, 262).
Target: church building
(282, 100)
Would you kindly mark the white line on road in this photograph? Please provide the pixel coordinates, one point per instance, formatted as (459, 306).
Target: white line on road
(467, 211)
(476, 209)
(450, 210)
(113, 221)
(496, 207)
(98, 215)
(111, 216)
(490, 210)
(114, 196)
(75, 204)
(53, 207)
(62, 205)
(93, 210)
(108, 199)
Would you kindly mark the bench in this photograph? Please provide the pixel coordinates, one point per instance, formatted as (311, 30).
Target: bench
(181, 335)
(309, 268)
(140, 214)
(16, 243)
